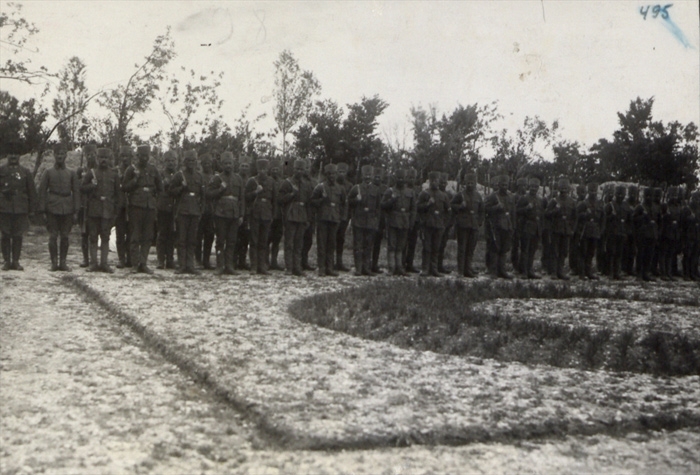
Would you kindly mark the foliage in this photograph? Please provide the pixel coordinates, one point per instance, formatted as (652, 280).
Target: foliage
(294, 92)
(21, 125)
(135, 97)
(15, 32)
(69, 104)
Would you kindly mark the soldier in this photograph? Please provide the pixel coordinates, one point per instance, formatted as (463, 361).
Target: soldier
(433, 205)
(121, 222)
(344, 182)
(205, 230)
(530, 213)
(575, 245)
(90, 155)
(690, 226)
(670, 234)
(227, 194)
(101, 187)
(379, 181)
(618, 216)
(629, 250)
(469, 211)
(277, 225)
(187, 186)
(311, 228)
(141, 183)
(412, 240)
(521, 186)
(329, 199)
(399, 203)
(646, 220)
(261, 200)
(657, 196)
(547, 259)
(499, 208)
(59, 198)
(364, 200)
(17, 203)
(294, 195)
(562, 212)
(165, 206)
(244, 229)
(449, 225)
(591, 219)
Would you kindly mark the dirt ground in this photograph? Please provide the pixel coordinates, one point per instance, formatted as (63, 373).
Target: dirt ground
(82, 394)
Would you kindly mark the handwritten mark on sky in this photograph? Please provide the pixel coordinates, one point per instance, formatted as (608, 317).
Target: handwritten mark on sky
(208, 20)
(676, 31)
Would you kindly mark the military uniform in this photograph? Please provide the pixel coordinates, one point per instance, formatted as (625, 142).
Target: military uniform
(364, 200)
(187, 187)
(101, 188)
(646, 220)
(205, 229)
(629, 250)
(311, 228)
(294, 195)
(328, 198)
(243, 239)
(449, 226)
(468, 209)
(227, 194)
(591, 220)
(433, 206)
(378, 179)
(521, 188)
(165, 241)
(414, 230)
(670, 235)
(618, 216)
(562, 212)
(399, 204)
(89, 152)
(17, 201)
(277, 225)
(690, 230)
(121, 223)
(499, 208)
(530, 213)
(141, 183)
(261, 201)
(575, 246)
(343, 181)
(59, 198)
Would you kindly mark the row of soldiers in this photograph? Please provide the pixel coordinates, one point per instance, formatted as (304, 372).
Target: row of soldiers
(190, 207)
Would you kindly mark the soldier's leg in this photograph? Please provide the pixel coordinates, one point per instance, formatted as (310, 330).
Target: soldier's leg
(321, 246)
(93, 227)
(308, 241)
(207, 239)
(21, 224)
(471, 238)
(242, 245)
(276, 232)
(263, 238)
(436, 240)
(532, 246)
(401, 241)
(162, 236)
(289, 246)
(220, 243)
(367, 249)
(300, 232)
(192, 243)
(516, 253)
(461, 234)
(254, 244)
(65, 226)
(377, 246)
(522, 242)
(105, 232)
(6, 240)
(391, 248)
(444, 237)
(135, 232)
(339, 246)
(357, 249)
(149, 221)
(503, 245)
(411, 248)
(52, 229)
(330, 249)
(199, 243)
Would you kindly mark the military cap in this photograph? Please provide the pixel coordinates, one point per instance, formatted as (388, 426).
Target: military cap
(226, 156)
(378, 170)
(143, 149)
(90, 148)
(563, 184)
(534, 181)
(205, 157)
(501, 179)
(648, 192)
(299, 164)
(104, 152)
(169, 154)
(367, 170)
(262, 164)
(190, 154)
(342, 167)
(244, 159)
(620, 189)
(434, 175)
(521, 181)
(60, 149)
(400, 174)
(580, 188)
(444, 176)
(470, 177)
(126, 150)
(412, 173)
(330, 168)
(633, 188)
(275, 163)
(592, 187)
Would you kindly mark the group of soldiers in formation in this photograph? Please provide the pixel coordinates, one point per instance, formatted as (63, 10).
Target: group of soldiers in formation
(217, 202)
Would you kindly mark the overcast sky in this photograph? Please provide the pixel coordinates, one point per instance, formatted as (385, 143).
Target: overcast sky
(578, 62)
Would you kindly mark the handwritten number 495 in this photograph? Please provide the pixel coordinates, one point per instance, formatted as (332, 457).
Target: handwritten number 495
(655, 11)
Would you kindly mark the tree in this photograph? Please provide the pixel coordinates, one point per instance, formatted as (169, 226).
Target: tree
(15, 32)
(196, 103)
(21, 125)
(70, 103)
(135, 97)
(319, 137)
(359, 133)
(294, 92)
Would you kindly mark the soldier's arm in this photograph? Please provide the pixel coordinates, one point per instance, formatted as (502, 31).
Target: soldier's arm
(521, 206)
(481, 211)
(87, 184)
(213, 189)
(75, 187)
(159, 181)
(317, 197)
(31, 191)
(241, 199)
(43, 188)
(457, 204)
(388, 200)
(286, 192)
(176, 184)
(423, 202)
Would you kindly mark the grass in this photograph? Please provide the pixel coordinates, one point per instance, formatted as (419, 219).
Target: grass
(439, 316)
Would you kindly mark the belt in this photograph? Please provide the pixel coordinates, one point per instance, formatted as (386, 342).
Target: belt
(64, 194)
(263, 199)
(228, 197)
(191, 194)
(102, 198)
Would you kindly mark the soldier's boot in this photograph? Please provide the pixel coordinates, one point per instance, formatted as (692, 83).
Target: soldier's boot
(229, 259)
(339, 262)
(143, 260)
(467, 269)
(85, 248)
(181, 261)
(398, 264)
(206, 256)
(358, 261)
(53, 254)
(16, 251)
(390, 263)
(6, 243)
(160, 256)
(104, 258)
(219, 263)
(62, 266)
(274, 254)
(93, 267)
(501, 267)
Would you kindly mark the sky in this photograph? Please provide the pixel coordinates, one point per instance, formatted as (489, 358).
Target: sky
(576, 62)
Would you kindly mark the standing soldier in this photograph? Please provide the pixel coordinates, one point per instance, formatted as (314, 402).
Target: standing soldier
(449, 224)
(205, 231)
(294, 195)
(311, 228)
(277, 225)
(690, 226)
(530, 213)
(261, 199)
(412, 241)
(165, 240)
(547, 259)
(646, 221)
(575, 247)
(433, 205)
(364, 200)
(520, 191)
(59, 198)
(399, 203)
(629, 250)
(562, 212)
(657, 196)
(670, 235)
(227, 194)
(468, 208)
(187, 186)
(141, 183)
(618, 216)
(379, 181)
(17, 203)
(329, 199)
(121, 223)
(90, 155)
(244, 229)
(591, 219)
(101, 187)
(343, 181)
(500, 208)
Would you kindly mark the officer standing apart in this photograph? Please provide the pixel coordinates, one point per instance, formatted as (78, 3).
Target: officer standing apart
(17, 204)
(101, 188)
(187, 187)
(59, 198)
(142, 183)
